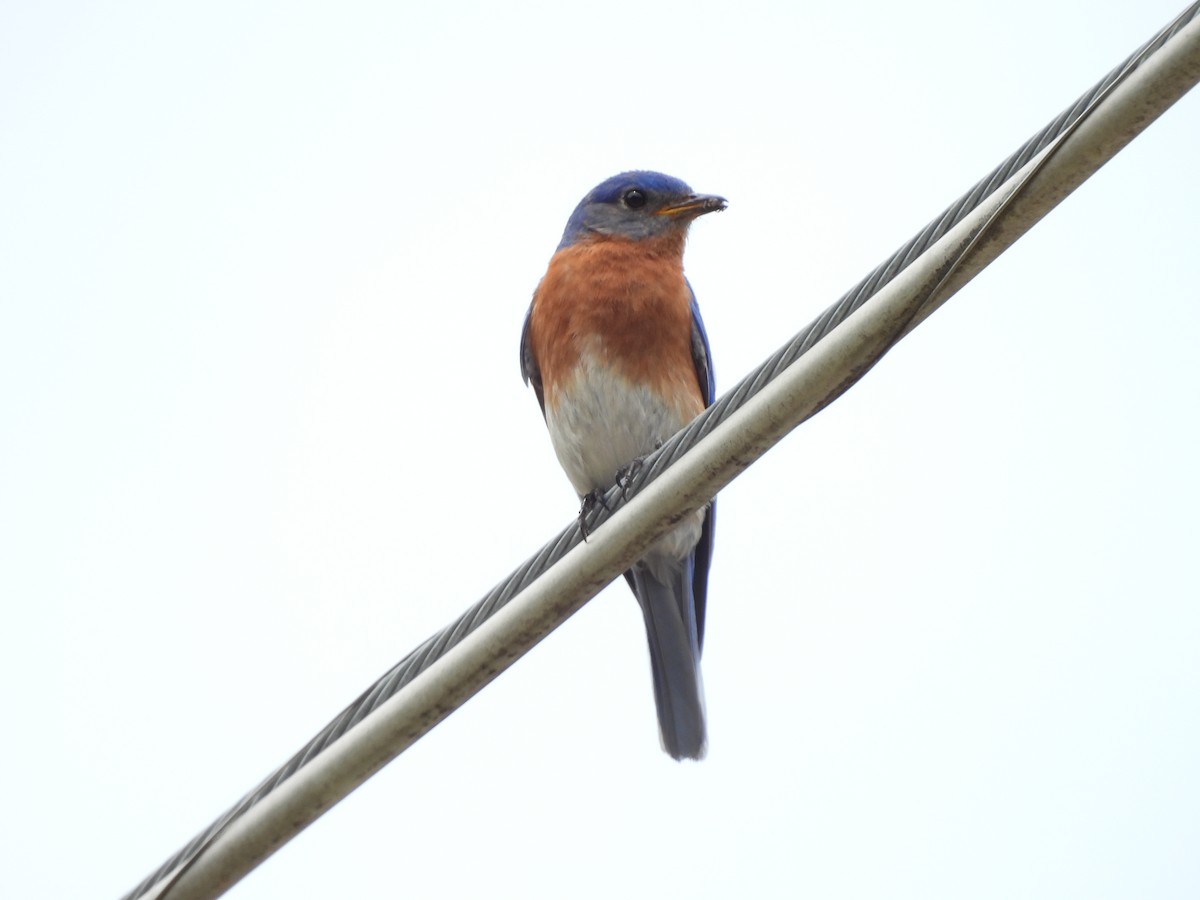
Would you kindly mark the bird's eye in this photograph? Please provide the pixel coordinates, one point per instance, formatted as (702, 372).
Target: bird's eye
(634, 199)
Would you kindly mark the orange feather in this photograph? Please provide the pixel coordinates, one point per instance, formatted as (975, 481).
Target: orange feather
(627, 299)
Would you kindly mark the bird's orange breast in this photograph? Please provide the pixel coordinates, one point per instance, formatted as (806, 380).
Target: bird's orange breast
(625, 301)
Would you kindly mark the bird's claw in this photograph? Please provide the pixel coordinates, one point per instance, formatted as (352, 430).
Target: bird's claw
(626, 473)
(591, 500)
(623, 479)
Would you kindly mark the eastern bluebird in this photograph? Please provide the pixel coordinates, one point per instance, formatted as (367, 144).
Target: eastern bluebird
(618, 357)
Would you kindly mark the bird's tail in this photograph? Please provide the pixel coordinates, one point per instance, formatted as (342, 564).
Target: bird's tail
(665, 595)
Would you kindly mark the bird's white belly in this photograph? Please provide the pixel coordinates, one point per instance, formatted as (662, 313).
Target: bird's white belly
(600, 422)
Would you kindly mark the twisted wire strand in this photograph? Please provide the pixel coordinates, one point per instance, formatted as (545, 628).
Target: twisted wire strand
(437, 645)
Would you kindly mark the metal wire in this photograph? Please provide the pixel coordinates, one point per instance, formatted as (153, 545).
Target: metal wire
(437, 645)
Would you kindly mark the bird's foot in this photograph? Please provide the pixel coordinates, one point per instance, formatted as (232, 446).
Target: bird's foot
(626, 473)
(591, 500)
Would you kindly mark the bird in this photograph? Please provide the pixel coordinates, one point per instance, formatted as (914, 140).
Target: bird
(618, 357)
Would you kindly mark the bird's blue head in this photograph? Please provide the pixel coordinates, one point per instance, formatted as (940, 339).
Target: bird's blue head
(638, 205)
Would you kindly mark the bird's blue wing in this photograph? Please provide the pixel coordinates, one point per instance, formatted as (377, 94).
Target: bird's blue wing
(529, 365)
(702, 353)
(702, 358)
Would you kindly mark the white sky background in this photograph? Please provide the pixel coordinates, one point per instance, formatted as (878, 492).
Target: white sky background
(262, 275)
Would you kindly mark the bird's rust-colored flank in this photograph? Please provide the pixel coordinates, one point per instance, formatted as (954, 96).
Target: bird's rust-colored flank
(634, 294)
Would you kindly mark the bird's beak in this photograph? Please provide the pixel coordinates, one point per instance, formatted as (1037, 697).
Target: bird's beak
(695, 205)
